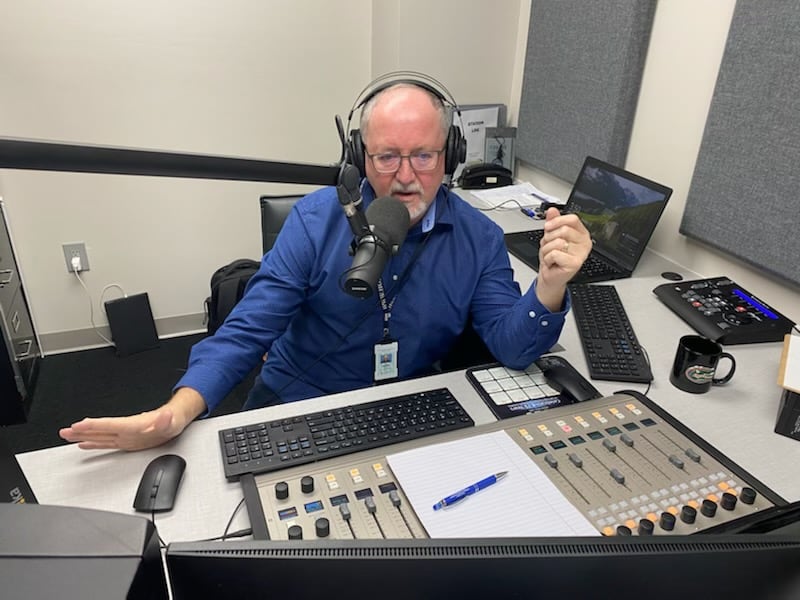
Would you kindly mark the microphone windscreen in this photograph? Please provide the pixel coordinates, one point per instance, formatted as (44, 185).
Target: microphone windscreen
(390, 220)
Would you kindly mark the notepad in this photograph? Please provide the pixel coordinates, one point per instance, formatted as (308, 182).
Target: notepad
(525, 503)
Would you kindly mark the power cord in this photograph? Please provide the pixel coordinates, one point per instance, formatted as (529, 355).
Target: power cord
(225, 536)
(76, 268)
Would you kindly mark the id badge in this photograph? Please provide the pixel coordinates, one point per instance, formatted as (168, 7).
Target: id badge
(385, 361)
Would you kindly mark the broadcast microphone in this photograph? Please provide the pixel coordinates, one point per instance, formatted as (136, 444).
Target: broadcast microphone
(389, 220)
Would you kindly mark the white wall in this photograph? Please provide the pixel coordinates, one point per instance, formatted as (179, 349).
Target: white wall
(686, 48)
(251, 78)
(246, 78)
(263, 79)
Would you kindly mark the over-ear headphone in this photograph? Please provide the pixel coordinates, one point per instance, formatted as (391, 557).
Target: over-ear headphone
(455, 148)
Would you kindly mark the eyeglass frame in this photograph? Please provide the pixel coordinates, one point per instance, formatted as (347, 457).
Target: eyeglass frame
(409, 156)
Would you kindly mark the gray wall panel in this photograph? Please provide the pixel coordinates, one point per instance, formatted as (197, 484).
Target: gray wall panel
(583, 71)
(745, 192)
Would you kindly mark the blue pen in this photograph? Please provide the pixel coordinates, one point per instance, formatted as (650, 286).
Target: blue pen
(468, 491)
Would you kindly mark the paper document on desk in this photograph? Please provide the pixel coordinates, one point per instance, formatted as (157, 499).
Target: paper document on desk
(514, 196)
(789, 373)
(524, 503)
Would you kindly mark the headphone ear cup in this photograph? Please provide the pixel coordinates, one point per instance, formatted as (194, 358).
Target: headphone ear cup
(356, 151)
(455, 150)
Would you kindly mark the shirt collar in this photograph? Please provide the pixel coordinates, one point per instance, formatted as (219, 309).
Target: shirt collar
(438, 212)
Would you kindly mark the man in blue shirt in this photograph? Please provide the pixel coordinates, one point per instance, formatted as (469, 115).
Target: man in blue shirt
(453, 266)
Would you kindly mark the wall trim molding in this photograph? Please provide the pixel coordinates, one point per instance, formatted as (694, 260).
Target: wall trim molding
(87, 339)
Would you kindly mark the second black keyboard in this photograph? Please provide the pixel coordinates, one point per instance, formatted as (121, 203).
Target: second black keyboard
(272, 445)
(609, 343)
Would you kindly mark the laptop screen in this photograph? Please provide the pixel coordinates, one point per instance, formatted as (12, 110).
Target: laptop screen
(620, 210)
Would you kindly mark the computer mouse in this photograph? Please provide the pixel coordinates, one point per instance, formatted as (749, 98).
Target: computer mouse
(563, 378)
(159, 485)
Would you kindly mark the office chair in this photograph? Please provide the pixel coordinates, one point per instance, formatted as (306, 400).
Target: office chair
(274, 210)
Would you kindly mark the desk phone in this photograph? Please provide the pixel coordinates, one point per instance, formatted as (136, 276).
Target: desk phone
(723, 311)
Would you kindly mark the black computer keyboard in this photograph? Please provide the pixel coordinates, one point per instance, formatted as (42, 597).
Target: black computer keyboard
(609, 343)
(273, 445)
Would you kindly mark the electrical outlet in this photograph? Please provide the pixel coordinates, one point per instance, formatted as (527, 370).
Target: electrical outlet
(76, 249)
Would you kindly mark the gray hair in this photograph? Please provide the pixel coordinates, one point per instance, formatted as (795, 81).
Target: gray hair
(445, 114)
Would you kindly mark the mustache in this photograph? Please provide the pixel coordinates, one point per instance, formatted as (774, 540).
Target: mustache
(411, 188)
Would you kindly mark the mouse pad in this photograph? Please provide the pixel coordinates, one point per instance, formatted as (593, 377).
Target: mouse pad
(510, 393)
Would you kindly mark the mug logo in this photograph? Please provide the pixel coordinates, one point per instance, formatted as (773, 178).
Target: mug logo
(699, 374)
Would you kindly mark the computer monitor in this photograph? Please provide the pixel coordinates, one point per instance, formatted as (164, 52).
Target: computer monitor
(657, 567)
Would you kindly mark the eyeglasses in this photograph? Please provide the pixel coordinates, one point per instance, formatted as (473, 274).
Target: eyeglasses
(421, 161)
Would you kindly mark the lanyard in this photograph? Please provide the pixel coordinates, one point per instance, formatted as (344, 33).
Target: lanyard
(386, 307)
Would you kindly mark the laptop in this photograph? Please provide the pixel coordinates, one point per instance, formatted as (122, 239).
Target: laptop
(620, 210)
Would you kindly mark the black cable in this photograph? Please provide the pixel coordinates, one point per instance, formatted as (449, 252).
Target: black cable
(514, 200)
(230, 521)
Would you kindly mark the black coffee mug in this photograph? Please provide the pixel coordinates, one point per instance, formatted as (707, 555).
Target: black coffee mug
(696, 364)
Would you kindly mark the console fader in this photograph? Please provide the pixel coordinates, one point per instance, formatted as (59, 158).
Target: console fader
(628, 466)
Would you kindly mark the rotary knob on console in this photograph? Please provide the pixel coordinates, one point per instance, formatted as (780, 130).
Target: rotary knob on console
(645, 527)
(323, 527)
(281, 490)
(295, 532)
(307, 484)
(688, 514)
(748, 495)
(667, 521)
(623, 530)
(708, 508)
(728, 501)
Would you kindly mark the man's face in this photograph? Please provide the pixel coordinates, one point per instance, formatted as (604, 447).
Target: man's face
(405, 121)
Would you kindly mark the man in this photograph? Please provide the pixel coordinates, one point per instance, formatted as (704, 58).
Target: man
(452, 266)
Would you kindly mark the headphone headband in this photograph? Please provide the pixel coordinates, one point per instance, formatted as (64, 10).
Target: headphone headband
(456, 144)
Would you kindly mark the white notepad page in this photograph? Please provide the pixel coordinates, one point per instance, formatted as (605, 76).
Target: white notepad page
(525, 503)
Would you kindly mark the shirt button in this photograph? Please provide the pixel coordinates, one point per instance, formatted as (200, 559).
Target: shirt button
(532, 314)
(394, 277)
(544, 323)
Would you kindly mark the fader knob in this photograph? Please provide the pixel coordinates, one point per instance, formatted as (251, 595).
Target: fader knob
(728, 501)
(281, 490)
(323, 527)
(307, 484)
(748, 495)
(667, 521)
(708, 508)
(688, 514)
(295, 532)
(645, 527)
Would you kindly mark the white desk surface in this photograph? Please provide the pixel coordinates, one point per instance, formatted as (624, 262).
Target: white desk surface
(738, 418)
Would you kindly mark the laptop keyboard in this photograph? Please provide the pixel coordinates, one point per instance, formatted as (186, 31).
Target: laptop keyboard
(594, 269)
(609, 343)
(272, 445)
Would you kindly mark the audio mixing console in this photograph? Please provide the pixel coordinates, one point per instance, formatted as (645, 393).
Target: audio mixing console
(629, 467)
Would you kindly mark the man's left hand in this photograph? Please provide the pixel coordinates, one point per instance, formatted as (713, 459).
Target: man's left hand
(564, 248)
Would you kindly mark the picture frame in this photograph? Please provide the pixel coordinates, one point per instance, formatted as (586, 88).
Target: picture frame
(473, 120)
(500, 146)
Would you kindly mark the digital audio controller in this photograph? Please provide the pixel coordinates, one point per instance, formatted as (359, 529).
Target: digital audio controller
(723, 311)
(625, 464)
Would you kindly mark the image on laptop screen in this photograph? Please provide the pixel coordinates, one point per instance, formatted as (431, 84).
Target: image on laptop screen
(620, 210)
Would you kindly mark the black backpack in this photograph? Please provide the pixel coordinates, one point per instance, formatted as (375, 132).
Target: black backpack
(227, 288)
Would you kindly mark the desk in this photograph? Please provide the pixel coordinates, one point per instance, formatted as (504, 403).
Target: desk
(737, 418)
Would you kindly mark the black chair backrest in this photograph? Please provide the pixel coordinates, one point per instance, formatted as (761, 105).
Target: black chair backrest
(274, 210)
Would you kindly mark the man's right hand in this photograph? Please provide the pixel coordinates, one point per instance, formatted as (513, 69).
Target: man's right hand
(137, 432)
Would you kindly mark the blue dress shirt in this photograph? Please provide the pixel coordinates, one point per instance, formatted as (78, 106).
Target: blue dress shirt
(321, 341)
